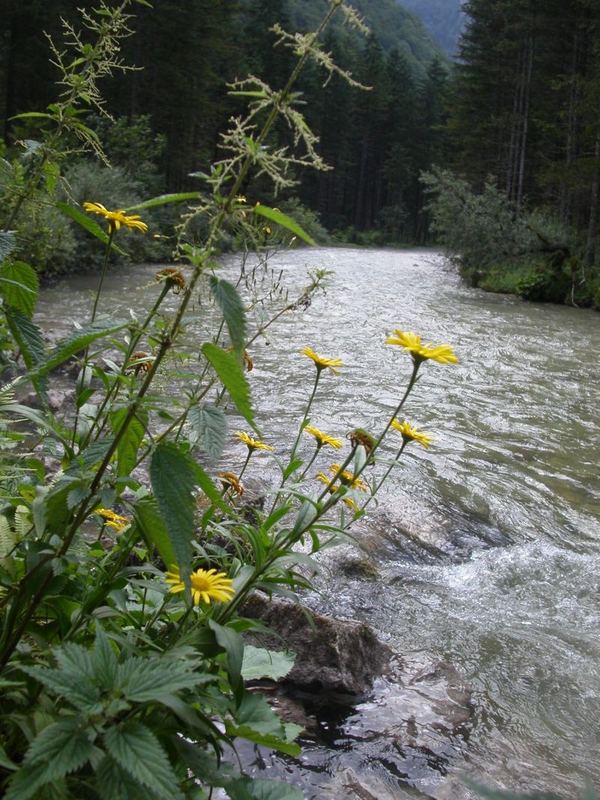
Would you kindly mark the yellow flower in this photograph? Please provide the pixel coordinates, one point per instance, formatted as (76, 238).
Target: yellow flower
(116, 218)
(252, 444)
(112, 520)
(442, 353)
(348, 479)
(323, 438)
(321, 362)
(410, 434)
(206, 585)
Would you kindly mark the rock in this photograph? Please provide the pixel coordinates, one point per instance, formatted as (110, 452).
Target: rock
(360, 568)
(336, 659)
(56, 399)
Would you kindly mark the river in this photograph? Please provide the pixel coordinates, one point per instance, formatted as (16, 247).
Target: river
(487, 545)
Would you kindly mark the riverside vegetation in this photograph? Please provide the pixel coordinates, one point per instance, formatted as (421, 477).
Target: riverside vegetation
(124, 560)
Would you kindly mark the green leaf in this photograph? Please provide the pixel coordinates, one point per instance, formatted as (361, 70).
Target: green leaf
(233, 645)
(153, 529)
(173, 480)
(88, 224)
(227, 298)
(79, 692)
(257, 722)
(210, 490)
(105, 661)
(137, 750)
(112, 782)
(8, 243)
(27, 335)
(19, 286)
(5, 761)
(163, 199)
(209, 425)
(62, 748)
(282, 219)
(131, 440)
(229, 372)
(74, 344)
(144, 680)
(260, 789)
(261, 663)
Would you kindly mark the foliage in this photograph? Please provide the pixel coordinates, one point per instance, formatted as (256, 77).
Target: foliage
(125, 561)
(532, 255)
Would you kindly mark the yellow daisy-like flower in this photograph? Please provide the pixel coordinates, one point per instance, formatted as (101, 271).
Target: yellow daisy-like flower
(252, 444)
(206, 585)
(112, 520)
(321, 362)
(410, 434)
(348, 479)
(116, 218)
(442, 353)
(323, 438)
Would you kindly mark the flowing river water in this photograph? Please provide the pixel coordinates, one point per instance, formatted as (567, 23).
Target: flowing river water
(486, 547)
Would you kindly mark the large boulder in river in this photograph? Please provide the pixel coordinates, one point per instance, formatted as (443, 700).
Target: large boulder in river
(336, 659)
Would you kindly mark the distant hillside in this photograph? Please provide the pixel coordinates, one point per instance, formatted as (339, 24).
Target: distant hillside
(443, 19)
(392, 25)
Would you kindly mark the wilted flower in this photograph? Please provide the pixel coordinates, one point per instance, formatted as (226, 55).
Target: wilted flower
(139, 362)
(173, 277)
(231, 481)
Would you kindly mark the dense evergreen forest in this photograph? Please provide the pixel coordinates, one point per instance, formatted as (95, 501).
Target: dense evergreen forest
(508, 136)
(444, 18)
(377, 142)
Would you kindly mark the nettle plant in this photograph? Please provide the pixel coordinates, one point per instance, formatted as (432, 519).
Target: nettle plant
(126, 558)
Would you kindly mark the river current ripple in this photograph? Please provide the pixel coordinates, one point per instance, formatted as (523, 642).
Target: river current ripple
(507, 498)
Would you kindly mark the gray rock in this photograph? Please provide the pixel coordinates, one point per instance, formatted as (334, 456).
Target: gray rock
(334, 657)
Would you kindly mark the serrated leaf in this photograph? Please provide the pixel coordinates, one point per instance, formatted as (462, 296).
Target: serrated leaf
(105, 661)
(137, 750)
(112, 782)
(209, 423)
(19, 286)
(145, 680)
(173, 481)
(154, 530)
(261, 663)
(76, 343)
(164, 199)
(62, 747)
(227, 298)
(78, 692)
(8, 243)
(88, 224)
(279, 218)
(29, 339)
(131, 440)
(229, 372)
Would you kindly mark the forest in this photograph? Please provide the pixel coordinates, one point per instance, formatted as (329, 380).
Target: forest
(516, 112)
